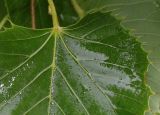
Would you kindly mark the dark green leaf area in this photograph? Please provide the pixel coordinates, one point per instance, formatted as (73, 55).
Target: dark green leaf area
(3, 9)
(67, 14)
(20, 12)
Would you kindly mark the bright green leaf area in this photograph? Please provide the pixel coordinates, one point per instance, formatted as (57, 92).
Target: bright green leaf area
(94, 67)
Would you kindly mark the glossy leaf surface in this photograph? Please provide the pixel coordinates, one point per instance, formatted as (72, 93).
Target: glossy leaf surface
(94, 67)
(143, 18)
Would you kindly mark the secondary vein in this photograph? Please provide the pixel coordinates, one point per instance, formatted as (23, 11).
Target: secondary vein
(4, 20)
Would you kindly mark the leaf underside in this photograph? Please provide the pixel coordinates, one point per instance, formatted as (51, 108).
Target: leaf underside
(99, 70)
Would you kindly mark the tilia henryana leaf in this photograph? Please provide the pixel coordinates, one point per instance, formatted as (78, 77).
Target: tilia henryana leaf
(94, 67)
(144, 17)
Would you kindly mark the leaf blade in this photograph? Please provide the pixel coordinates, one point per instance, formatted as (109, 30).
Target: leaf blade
(94, 72)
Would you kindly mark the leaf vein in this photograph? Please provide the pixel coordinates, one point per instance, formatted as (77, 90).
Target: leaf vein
(35, 105)
(14, 54)
(59, 107)
(29, 38)
(91, 41)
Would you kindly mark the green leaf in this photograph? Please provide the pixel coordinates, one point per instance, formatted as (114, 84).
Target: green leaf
(43, 20)
(94, 67)
(3, 15)
(19, 12)
(3, 9)
(67, 17)
(144, 18)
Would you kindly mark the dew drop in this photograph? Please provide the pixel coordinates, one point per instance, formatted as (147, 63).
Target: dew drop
(1, 85)
(24, 69)
(20, 93)
(62, 17)
(10, 84)
(13, 78)
(89, 74)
